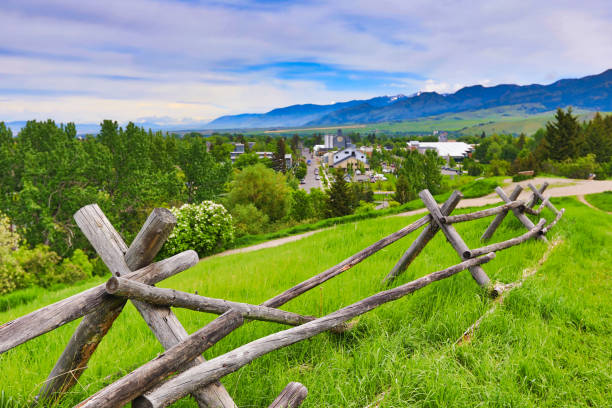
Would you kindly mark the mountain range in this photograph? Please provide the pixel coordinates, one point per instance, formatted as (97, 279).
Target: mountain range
(592, 92)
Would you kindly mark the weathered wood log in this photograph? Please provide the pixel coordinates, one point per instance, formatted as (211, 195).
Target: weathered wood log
(155, 371)
(552, 224)
(535, 212)
(452, 219)
(453, 237)
(541, 198)
(94, 326)
(518, 214)
(345, 265)
(533, 200)
(537, 229)
(150, 238)
(424, 237)
(50, 317)
(500, 217)
(160, 319)
(292, 396)
(212, 370)
(170, 297)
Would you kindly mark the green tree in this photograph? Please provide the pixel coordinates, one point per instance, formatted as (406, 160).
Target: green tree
(301, 206)
(262, 187)
(339, 197)
(279, 156)
(402, 190)
(564, 137)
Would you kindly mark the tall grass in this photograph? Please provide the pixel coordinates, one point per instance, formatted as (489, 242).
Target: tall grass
(547, 345)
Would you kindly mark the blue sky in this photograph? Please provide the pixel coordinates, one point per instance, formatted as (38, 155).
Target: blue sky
(191, 61)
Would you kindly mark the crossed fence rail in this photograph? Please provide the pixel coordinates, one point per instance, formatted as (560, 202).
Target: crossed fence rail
(134, 275)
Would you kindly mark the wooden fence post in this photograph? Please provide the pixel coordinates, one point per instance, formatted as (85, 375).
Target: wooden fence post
(500, 217)
(94, 326)
(426, 235)
(539, 196)
(533, 200)
(164, 324)
(291, 396)
(453, 237)
(519, 214)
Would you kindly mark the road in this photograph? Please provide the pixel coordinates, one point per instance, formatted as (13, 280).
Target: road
(311, 181)
(558, 188)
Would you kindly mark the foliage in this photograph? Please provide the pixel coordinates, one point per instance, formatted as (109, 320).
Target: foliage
(422, 172)
(205, 228)
(498, 168)
(580, 168)
(264, 188)
(248, 220)
(403, 193)
(521, 177)
(301, 206)
(365, 207)
(340, 200)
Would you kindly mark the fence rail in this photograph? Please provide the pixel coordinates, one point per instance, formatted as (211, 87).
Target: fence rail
(152, 384)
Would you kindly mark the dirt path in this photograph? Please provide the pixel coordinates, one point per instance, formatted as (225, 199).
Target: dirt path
(558, 187)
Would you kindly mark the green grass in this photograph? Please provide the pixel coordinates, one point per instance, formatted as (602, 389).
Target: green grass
(603, 201)
(547, 345)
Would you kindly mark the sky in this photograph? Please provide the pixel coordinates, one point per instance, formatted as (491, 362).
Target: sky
(180, 62)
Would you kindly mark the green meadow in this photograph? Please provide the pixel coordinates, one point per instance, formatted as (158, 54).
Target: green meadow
(548, 344)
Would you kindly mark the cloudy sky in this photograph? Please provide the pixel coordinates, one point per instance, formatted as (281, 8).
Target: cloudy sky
(188, 61)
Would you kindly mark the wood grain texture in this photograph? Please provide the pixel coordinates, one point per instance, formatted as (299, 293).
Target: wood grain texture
(519, 214)
(424, 237)
(164, 324)
(540, 197)
(50, 317)
(533, 200)
(452, 219)
(537, 229)
(453, 237)
(292, 396)
(500, 217)
(155, 371)
(212, 370)
(94, 326)
(170, 297)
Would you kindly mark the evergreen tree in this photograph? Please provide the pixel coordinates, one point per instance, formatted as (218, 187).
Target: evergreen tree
(402, 190)
(598, 138)
(339, 197)
(279, 156)
(564, 137)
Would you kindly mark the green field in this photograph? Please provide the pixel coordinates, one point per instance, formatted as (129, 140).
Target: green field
(504, 119)
(547, 345)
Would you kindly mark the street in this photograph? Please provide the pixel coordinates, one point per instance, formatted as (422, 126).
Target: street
(310, 180)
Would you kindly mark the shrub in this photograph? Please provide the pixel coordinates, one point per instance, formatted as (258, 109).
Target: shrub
(365, 207)
(301, 207)
(12, 275)
(580, 168)
(99, 268)
(40, 263)
(521, 177)
(478, 188)
(206, 228)
(248, 220)
(499, 168)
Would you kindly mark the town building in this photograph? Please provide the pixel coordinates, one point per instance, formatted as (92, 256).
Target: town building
(349, 158)
(457, 150)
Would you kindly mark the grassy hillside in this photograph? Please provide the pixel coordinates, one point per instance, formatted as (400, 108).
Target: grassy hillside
(547, 345)
(505, 119)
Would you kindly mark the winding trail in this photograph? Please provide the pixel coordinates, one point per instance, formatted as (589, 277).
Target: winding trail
(559, 187)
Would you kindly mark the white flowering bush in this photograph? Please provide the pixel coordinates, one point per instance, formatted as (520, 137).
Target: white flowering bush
(206, 228)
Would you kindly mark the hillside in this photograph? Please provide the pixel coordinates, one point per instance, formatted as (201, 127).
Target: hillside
(592, 93)
(546, 345)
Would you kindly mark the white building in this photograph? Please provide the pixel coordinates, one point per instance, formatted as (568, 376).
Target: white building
(456, 150)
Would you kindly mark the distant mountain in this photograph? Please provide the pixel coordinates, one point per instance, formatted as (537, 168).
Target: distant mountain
(295, 115)
(592, 93)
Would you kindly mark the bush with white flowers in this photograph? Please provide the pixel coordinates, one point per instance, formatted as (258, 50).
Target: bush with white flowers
(206, 228)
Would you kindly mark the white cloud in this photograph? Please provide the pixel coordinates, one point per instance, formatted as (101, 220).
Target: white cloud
(188, 60)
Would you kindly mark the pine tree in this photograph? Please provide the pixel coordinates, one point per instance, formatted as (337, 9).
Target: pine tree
(279, 156)
(564, 137)
(402, 190)
(339, 197)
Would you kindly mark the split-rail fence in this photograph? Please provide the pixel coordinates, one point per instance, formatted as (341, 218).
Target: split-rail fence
(156, 383)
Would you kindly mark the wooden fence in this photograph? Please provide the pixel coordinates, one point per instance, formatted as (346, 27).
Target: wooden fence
(133, 277)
